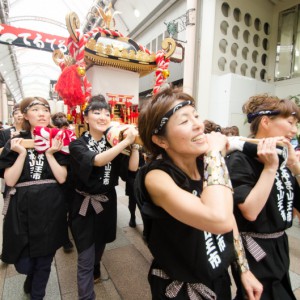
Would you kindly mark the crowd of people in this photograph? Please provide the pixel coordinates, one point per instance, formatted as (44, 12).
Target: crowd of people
(205, 209)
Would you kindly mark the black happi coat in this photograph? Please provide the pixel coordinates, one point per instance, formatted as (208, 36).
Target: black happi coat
(184, 253)
(276, 216)
(35, 224)
(85, 177)
(5, 135)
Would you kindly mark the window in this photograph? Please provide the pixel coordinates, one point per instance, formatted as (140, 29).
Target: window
(153, 45)
(287, 63)
(159, 41)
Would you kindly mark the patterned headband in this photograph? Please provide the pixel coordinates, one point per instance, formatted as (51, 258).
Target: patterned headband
(36, 102)
(14, 110)
(167, 116)
(252, 116)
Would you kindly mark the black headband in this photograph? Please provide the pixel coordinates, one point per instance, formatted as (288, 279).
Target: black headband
(14, 110)
(168, 114)
(36, 101)
(252, 116)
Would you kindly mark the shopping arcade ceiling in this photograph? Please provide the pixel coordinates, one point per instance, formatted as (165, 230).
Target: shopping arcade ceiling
(27, 71)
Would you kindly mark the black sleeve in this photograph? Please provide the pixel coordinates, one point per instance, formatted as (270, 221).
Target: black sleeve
(123, 162)
(130, 183)
(62, 159)
(250, 149)
(7, 158)
(143, 200)
(3, 138)
(82, 160)
(242, 176)
(297, 197)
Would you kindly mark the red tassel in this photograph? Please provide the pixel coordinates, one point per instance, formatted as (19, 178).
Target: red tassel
(69, 86)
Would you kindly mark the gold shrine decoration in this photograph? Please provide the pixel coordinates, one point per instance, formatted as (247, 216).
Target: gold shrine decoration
(73, 23)
(108, 20)
(105, 53)
(106, 47)
(123, 111)
(60, 58)
(169, 45)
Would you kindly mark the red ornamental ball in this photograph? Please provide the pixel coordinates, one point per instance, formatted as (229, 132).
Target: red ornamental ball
(81, 71)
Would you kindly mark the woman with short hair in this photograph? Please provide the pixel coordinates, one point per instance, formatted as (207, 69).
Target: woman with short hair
(185, 195)
(266, 188)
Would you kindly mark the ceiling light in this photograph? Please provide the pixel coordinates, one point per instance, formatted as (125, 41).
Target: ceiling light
(136, 13)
